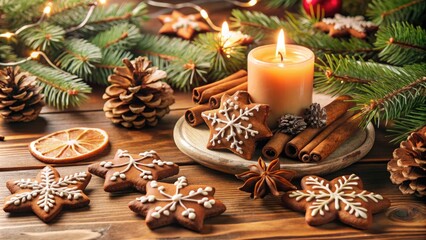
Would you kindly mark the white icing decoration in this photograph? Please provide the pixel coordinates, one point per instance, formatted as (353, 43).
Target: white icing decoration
(185, 22)
(48, 188)
(145, 174)
(233, 124)
(178, 198)
(340, 22)
(324, 196)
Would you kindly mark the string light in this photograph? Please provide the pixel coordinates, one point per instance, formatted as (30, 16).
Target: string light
(202, 11)
(34, 55)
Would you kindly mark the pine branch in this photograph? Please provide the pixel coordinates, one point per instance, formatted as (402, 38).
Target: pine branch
(410, 122)
(111, 58)
(19, 12)
(186, 64)
(338, 75)
(393, 96)
(281, 3)
(79, 56)
(6, 53)
(60, 88)
(227, 58)
(401, 43)
(123, 36)
(43, 37)
(389, 11)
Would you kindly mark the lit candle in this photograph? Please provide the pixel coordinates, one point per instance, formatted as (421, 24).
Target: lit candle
(281, 76)
(230, 39)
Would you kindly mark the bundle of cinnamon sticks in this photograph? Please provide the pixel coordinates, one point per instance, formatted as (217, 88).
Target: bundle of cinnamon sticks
(208, 96)
(316, 144)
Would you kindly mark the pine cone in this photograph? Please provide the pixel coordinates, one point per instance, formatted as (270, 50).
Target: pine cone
(408, 166)
(137, 97)
(20, 98)
(291, 124)
(315, 116)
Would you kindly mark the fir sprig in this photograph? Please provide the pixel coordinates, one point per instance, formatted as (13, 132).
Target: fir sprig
(61, 89)
(123, 36)
(79, 56)
(401, 43)
(281, 3)
(390, 11)
(44, 37)
(411, 122)
(393, 96)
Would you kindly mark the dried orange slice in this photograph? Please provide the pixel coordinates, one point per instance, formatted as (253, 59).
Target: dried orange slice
(71, 145)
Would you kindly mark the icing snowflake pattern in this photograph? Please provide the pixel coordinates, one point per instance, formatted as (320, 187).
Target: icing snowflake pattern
(234, 125)
(145, 174)
(340, 22)
(325, 196)
(178, 199)
(48, 188)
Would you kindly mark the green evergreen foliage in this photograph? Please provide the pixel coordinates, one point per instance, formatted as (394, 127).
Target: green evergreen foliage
(79, 57)
(410, 122)
(111, 58)
(281, 3)
(390, 11)
(43, 37)
(401, 43)
(123, 36)
(60, 88)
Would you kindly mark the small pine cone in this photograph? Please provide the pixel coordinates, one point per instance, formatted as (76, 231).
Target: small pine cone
(20, 98)
(408, 166)
(137, 97)
(315, 116)
(291, 124)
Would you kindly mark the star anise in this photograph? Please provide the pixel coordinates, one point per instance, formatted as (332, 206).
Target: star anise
(261, 180)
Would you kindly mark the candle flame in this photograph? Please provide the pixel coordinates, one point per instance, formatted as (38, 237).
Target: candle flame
(225, 30)
(280, 52)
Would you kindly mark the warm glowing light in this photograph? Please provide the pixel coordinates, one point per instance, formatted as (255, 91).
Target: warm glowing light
(204, 14)
(280, 52)
(48, 8)
(252, 3)
(102, 1)
(7, 35)
(225, 31)
(34, 55)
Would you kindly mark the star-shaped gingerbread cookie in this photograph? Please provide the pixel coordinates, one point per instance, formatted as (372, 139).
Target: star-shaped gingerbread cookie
(343, 198)
(237, 125)
(48, 193)
(344, 26)
(185, 204)
(125, 171)
(182, 25)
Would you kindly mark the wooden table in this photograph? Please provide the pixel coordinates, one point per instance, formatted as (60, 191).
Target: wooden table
(109, 217)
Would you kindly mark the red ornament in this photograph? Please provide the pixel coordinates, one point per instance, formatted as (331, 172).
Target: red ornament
(329, 7)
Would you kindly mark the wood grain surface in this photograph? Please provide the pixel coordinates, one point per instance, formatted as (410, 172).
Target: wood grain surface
(108, 216)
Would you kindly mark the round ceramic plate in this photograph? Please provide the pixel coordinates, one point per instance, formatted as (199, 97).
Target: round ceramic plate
(193, 141)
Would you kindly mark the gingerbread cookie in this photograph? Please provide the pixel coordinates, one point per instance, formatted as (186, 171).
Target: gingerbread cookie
(343, 198)
(237, 125)
(262, 180)
(344, 26)
(48, 193)
(181, 25)
(125, 172)
(166, 203)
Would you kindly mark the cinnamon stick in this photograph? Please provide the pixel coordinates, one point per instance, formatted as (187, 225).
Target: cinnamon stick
(193, 115)
(335, 139)
(304, 154)
(334, 110)
(275, 145)
(203, 93)
(214, 100)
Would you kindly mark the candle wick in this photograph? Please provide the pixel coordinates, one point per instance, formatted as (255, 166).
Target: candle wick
(281, 56)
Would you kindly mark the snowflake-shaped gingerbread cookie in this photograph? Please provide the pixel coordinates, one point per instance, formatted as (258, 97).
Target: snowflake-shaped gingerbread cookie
(182, 25)
(125, 171)
(342, 26)
(166, 203)
(48, 193)
(343, 198)
(237, 125)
